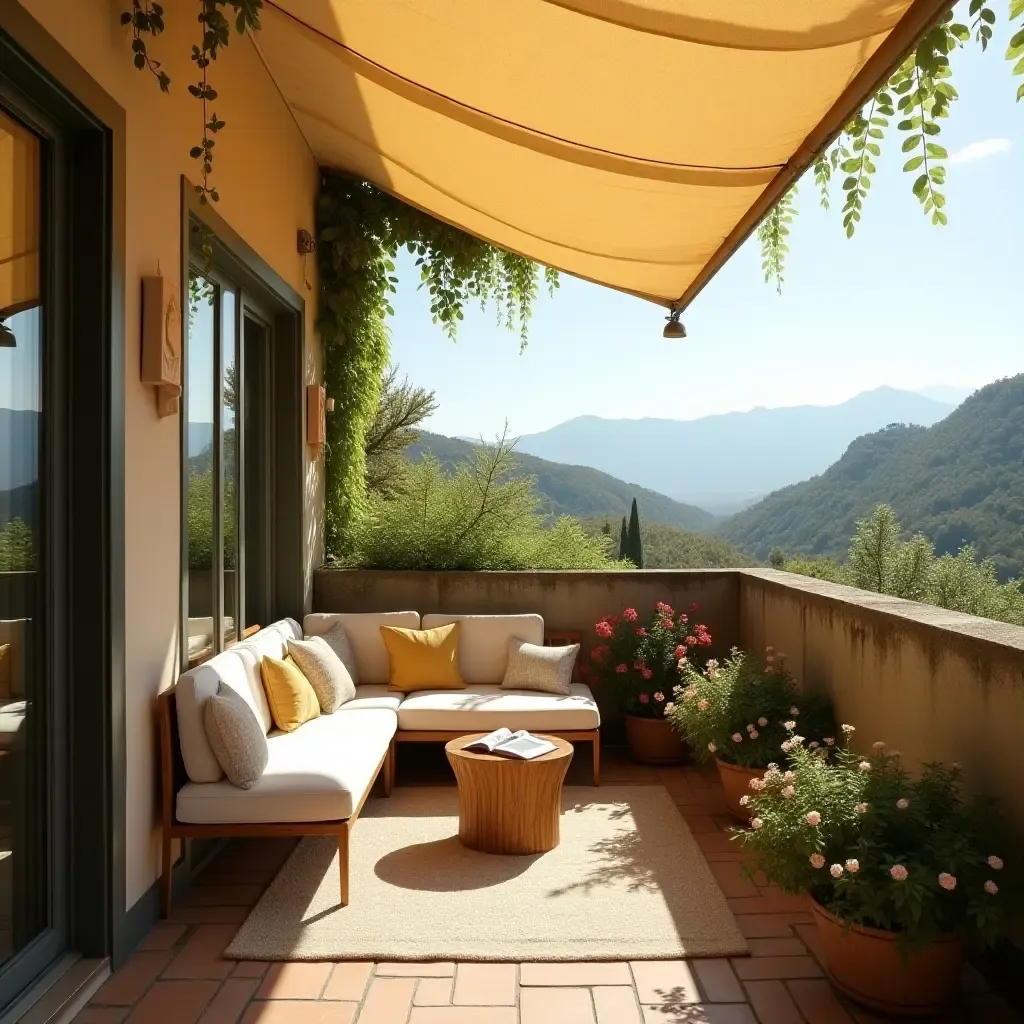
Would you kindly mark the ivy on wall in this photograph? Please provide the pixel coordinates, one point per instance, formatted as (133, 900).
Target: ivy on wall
(359, 232)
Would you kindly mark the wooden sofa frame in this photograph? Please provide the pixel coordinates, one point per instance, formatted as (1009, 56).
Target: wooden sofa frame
(552, 638)
(174, 776)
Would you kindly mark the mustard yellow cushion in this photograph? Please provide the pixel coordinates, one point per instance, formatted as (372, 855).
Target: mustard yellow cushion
(291, 698)
(423, 659)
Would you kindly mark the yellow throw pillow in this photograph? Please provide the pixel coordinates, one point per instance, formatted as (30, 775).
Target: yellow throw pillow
(291, 698)
(423, 659)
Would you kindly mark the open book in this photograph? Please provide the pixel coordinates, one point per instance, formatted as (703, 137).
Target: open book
(506, 743)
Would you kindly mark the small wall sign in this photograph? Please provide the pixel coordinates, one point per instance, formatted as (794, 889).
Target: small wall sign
(161, 343)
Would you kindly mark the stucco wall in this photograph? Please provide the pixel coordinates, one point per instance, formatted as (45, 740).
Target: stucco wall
(267, 179)
(936, 685)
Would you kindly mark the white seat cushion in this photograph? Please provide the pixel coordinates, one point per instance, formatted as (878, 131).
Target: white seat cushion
(483, 642)
(483, 708)
(319, 772)
(374, 697)
(363, 632)
(239, 668)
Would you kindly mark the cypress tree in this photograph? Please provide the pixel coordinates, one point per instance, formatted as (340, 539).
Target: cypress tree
(635, 547)
(623, 542)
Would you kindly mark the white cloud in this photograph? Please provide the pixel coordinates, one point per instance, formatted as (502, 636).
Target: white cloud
(980, 151)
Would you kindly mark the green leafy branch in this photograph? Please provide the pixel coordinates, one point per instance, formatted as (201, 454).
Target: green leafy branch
(772, 233)
(1015, 50)
(146, 18)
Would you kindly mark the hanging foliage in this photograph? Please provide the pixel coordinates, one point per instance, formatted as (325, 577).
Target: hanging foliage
(922, 93)
(359, 232)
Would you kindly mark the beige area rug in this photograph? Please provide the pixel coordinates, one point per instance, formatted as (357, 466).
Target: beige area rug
(626, 882)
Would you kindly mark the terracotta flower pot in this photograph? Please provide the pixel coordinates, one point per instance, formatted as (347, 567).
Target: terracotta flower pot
(653, 741)
(865, 964)
(736, 783)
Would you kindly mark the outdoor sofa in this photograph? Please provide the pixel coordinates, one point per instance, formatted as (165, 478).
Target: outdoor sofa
(319, 776)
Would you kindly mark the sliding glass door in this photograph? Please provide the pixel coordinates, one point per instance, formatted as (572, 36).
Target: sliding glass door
(225, 452)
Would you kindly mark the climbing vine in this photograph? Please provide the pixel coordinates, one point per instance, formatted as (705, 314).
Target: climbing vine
(359, 232)
(921, 92)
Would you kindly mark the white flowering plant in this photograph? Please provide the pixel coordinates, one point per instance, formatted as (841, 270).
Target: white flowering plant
(877, 847)
(737, 710)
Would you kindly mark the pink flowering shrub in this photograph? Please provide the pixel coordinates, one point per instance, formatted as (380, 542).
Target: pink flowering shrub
(638, 661)
(737, 710)
(878, 847)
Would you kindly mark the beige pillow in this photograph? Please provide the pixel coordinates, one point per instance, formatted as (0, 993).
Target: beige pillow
(236, 736)
(547, 669)
(326, 672)
(337, 639)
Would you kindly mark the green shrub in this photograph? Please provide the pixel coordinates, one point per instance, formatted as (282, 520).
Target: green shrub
(477, 517)
(17, 547)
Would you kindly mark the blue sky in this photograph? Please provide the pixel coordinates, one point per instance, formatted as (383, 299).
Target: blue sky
(902, 303)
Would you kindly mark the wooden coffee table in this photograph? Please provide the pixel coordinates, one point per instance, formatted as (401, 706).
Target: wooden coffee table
(507, 805)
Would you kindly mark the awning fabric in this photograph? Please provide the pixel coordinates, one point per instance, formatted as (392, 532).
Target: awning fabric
(19, 218)
(630, 142)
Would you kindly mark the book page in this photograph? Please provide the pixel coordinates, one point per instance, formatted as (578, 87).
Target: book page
(491, 741)
(525, 746)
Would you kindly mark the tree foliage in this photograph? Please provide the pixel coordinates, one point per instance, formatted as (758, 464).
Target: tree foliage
(669, 547)
(882, 561)
(481, 516)
(17, 547)
(402, 407)
(634, 541)
(919, 95)
(360, 230)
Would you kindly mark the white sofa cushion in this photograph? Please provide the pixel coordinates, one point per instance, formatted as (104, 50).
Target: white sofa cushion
(239, 668)
(483, 708)
(363, 632)
(319, 772)
(373, 697)
(483, 642)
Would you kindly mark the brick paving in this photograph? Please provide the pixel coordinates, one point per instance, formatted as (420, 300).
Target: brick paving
(178, 976)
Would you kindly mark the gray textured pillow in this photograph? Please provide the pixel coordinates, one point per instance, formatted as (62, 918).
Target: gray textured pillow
(337, 639)
(547, 669)
(236, 736)
(327, 674)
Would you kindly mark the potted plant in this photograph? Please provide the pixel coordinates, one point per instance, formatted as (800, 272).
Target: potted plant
(736, 712)
(902, 871)
(638, 661)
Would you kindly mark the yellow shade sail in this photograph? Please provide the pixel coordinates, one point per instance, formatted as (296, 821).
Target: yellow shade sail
(634, 143)
(19, 218)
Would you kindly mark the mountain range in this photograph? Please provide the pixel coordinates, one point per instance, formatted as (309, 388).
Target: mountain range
(960, 481)
(723, 463)
(577, 490)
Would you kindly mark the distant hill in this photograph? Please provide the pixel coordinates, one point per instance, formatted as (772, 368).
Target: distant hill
(959, 481)
(19, 448)
(578, 490)
(668, 547)
(728, 460)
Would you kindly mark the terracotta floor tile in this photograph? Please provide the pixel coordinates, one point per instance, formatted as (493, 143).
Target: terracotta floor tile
(173, 1002)
(434, 992)
(731, 880)
(463, 1015)
(564, 1005)
(664, 981)
(719, 982)
(778, 968)
(770, 903)
(701, 824)
(127, 985)
(579, 974)
(426, 970)
(772, 1003)
(230, 1001)
(249, 969)
(765, 926)
(283, 1011)
(776, 947)
(101, 1015)
(818, 1003)
(388, 1001)
(201, 957)
(485, 985)
(616, 1005)
(184, 914)
(348, 981)
(294, 981)
(228, 895)
(162, 936)
(705, 1013)
(812, 940)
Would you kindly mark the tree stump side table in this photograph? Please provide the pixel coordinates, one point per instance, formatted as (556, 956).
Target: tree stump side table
(507, 805)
